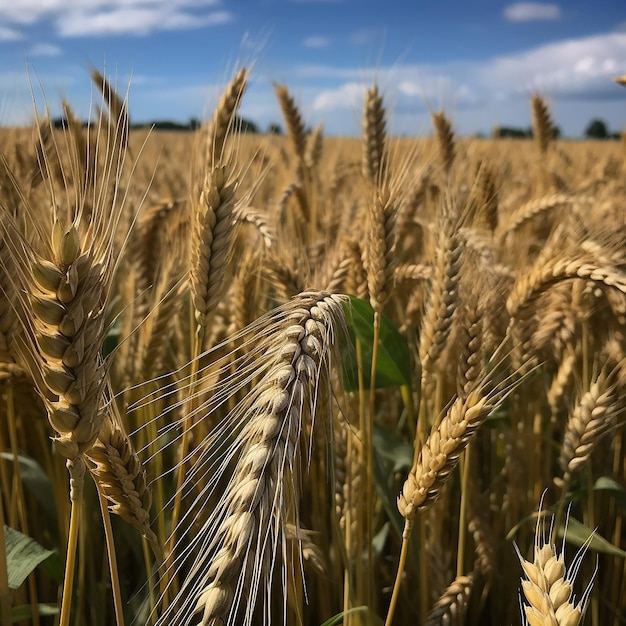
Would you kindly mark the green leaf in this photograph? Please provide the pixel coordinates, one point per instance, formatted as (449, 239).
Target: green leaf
(25, 611)
(37, 482)
(391, 455)
(380, 539)
(374, 620)
(23, 556)
(393, 363)
(112, 338)
(606, 483)
(578, 534)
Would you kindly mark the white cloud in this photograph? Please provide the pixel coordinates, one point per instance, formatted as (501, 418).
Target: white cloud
(135, 21)
(8, 34)
(75, 18)
(44, 50)
(347, 96)
(316, 41)
(570, 73)
(571, 68)
(531, 11)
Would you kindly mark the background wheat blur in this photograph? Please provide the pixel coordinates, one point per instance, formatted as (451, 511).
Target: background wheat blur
(301, 377)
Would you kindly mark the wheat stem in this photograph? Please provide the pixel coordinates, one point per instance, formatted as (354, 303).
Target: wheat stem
(465, 477)
(406, 535)
(70, 561)
(112, 558)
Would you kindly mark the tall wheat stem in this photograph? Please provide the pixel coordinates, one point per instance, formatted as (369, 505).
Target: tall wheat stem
(465, 476)
(406, 535)
(112, 558)
(361, 531)
(70, 561)
(370, 463)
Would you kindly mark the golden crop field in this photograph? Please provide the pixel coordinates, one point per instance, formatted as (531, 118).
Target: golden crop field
(302, 380)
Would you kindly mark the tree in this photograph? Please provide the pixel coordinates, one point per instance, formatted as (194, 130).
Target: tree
(274, 129)
(597, 129)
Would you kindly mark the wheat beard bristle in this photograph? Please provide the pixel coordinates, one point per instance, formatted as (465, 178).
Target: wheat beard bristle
(235, 551)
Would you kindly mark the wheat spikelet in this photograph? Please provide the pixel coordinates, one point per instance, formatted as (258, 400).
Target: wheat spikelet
(236, 548)
(409, 272)
(440, 454)
(260, 220)
(591, 420)
(488, 196)
(213, 239)
(356, 283)
(118, 111)
(374, 138)
(120, 476)
(445, 140)
(380, 257)
(221, 123)
(314, 146)
(538, 207)
(561, 384)
(63, 276)
(548, 586)
(470, 363)
(443, 299)
(451, 607)
(543, 127)
(293, 120)
(549, 272)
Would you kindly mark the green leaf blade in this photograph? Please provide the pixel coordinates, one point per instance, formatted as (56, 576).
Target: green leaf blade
(23, 556)
(393, 363)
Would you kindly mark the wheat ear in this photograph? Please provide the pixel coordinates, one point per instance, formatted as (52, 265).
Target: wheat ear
(440, 454)
(293, 120)
(591, 420)
(543, 127)
(221, 123)
(120, 475)
(236, 547)
(380, 261)
(548, 586)
(374, 137)
(451, 607)
(445, 140)
(213, 240)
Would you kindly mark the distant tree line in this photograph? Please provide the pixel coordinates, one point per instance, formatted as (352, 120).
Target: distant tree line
(241, 124)
(596, 129)
(512, 132)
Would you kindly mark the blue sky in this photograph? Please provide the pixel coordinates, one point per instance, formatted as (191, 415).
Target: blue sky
(480, 60)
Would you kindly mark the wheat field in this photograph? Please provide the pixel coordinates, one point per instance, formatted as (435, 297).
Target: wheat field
(310, 380)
